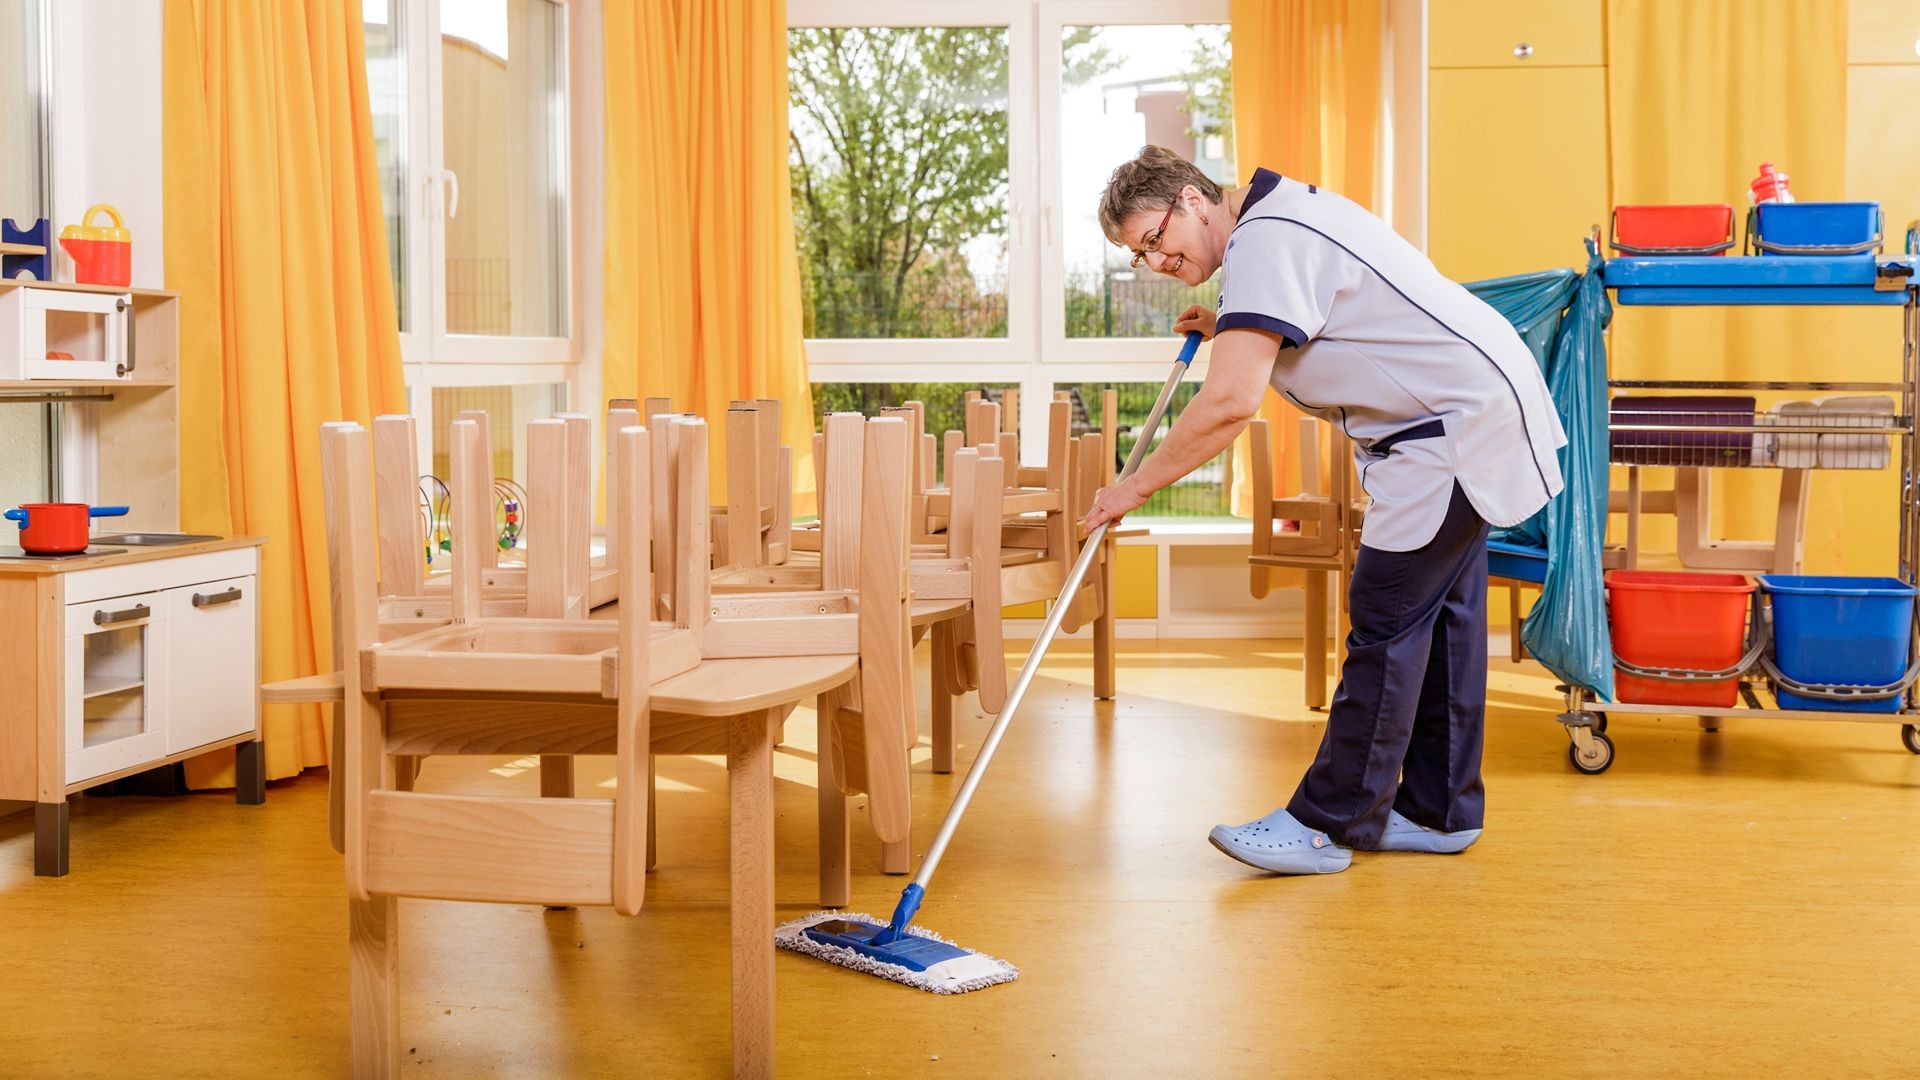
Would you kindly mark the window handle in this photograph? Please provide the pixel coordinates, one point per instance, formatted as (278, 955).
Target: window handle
(452, 180)
(1046, 224)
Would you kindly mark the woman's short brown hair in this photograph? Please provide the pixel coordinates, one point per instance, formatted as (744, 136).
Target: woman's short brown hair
(1151, 181)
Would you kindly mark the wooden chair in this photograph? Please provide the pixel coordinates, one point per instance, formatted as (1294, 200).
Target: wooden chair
(486, 685)
(1690, 501)
(759, 473)
(571, 500)
(863, 488)
(1325, 544)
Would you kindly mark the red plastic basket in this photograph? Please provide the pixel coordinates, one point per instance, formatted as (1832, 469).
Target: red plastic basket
(1672, 230)
(1664, 619)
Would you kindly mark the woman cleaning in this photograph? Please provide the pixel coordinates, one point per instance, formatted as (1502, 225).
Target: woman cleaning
(1453, 431)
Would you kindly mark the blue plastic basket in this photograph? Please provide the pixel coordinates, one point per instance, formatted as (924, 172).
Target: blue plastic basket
(1840, 631)
(1815, 228)
(1516, 562)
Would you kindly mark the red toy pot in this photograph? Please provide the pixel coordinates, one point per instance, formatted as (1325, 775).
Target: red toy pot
(57, 528)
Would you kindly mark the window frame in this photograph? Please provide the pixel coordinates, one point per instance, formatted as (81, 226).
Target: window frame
(1036, 352)
(431, 355)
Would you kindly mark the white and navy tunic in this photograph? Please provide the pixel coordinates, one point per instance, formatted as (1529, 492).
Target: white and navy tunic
(1380, 343)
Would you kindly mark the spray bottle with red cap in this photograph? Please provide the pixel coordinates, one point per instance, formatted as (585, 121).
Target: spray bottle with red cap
(1769, 186)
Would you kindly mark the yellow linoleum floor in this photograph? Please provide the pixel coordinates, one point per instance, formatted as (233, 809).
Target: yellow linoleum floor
(1742, 903)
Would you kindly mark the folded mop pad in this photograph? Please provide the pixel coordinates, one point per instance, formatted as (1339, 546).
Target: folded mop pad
(1855, 451)
(1795, 450)
(920, 959)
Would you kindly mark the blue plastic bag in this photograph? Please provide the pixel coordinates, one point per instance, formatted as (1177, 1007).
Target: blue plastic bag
(1562, 316)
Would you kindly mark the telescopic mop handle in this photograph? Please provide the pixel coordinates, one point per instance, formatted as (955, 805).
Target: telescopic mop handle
(910, 898)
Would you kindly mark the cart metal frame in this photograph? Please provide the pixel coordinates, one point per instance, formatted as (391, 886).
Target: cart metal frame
(1852, 280)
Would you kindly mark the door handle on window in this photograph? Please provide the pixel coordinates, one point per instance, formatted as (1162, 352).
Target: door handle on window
(1046, 224)
(210, 599)
(113, 618)
(452, 181)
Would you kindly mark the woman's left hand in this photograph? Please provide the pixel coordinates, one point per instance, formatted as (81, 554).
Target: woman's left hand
(1114, 503)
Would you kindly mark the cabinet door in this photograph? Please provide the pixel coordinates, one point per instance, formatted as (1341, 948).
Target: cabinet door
(213, 678)
(115, 671)
(1882, 32)
(1514, 33)
(1517, 169)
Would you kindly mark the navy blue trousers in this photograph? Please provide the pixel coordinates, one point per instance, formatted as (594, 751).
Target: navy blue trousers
(1406, 726)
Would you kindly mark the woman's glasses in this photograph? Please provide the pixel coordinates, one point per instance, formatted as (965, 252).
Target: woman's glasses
(1152, 242)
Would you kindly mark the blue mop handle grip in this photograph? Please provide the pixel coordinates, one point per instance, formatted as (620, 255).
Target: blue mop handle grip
(1190, 348)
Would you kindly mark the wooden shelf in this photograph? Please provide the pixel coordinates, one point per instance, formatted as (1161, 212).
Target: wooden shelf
(102, 685)
(14, 386)
(23, 283)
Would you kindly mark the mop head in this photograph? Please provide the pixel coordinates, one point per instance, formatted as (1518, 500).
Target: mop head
(921, 959)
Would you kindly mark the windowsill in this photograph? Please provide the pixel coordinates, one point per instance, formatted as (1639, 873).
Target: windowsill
(1175, 532)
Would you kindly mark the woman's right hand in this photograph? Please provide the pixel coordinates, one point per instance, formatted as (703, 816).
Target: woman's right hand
(1196, 318)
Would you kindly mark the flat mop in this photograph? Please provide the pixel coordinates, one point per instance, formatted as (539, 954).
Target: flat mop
(909, 954)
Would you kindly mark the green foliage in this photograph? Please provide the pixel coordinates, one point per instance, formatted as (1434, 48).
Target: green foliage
(899, 153)
(1209, 79)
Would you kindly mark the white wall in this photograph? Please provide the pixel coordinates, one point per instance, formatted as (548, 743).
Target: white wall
(106, 122)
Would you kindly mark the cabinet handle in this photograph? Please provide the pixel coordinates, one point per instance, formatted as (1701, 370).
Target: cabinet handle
(1522, 51)
(124, 305)
(112, 618)
(210, 599)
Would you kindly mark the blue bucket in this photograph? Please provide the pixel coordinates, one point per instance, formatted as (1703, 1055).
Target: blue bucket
(1840, 631)
(1816, 228)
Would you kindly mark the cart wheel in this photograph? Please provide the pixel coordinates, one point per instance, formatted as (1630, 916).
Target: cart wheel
(1599, 723)
(1597, 760)
(1910, 734)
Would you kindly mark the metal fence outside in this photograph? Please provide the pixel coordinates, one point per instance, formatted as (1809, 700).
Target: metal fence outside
(1202, 494)
(956, 304)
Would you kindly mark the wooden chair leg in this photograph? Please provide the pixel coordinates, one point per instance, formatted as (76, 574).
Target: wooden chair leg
(406, 771)
(1104, 625)
(653, 818)
(750, 799)
(1313, 645)
(556, 776)
(836, 845)
(337, 781)
(896, 857)
(940, 699)
(373, 986)
(1517, 650)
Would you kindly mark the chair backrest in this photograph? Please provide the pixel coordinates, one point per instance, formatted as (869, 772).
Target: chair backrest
(396, 485)
(463, 847)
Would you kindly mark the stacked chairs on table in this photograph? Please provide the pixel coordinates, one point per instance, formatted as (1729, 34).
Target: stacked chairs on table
(720, 620)
(719, 676)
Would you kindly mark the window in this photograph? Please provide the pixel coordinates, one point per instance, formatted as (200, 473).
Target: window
(967, 143)
(899, 160)
(1122, 87)
(1202, 493)
(26, 430)
(471, 140)
(23, 110)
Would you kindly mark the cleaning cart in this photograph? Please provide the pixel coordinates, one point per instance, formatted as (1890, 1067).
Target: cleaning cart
(1877, 430)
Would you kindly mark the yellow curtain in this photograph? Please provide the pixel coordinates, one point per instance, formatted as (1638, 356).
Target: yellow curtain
(277, 244)
(1306, 104)
(1698, 95)
(703, 281)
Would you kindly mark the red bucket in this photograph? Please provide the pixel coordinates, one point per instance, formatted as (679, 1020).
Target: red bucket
(1673, 230)
(1695, 622)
